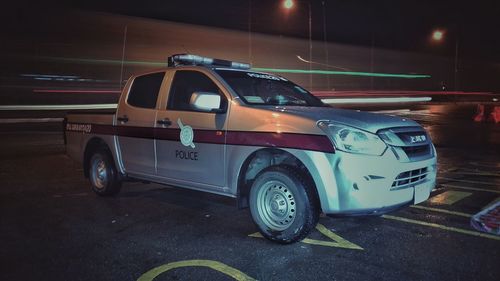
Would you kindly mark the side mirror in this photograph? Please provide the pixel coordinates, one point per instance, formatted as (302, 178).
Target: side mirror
(206, 101)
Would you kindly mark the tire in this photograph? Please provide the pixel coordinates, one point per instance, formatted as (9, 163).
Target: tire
(283, 204)
(103, 174)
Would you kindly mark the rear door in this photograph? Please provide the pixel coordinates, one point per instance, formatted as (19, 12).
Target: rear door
(136, 117)
(199, 163)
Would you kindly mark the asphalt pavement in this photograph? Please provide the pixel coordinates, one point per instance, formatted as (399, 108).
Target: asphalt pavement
(53, 227)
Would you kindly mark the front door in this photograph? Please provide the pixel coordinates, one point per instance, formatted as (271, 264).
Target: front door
(191, 144)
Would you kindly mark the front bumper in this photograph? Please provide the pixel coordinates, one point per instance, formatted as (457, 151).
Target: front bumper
(361, 184)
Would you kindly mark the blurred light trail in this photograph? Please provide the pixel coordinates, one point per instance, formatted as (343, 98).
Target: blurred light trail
(323, 64)
(29, 120)
(280, 70)
(394, 93)
(57, 107)
(51, 76)
(106, 61)
(392, 111)
(377, 100)
(70, 78)
(77, 91)
(351, 73)
(114, 105)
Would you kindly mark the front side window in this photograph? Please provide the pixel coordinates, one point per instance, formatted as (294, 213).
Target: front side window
(145, 89)
(265, 89)
(187, 82)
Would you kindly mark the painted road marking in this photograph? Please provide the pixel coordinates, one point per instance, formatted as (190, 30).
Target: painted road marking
(215, 265)
(475, 172)
(443, 227)
(449, 197)
(480, 174)
(467, 181)
(486, 164)
(470, 188)
(441, 211)
(337, 242)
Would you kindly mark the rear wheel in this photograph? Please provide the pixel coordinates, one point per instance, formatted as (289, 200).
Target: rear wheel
(103, 174)
(283, 204)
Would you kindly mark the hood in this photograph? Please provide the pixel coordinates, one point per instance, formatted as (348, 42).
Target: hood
(371, 122)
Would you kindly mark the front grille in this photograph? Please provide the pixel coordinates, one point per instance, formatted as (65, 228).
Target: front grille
(409, 144)
(414, 152)
(409, 177)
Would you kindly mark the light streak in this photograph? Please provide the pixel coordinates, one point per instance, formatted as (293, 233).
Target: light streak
(280, 70)
(323, 64)
(58, 107)
(77, 91)
(350, 73)
(395, 111)
(52, 77)
(394, 93)
(107, 61)
(114, 105)
(29, 120)
(376, 100)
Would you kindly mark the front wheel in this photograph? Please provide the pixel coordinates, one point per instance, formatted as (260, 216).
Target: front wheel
(283, 204)
(103, 174)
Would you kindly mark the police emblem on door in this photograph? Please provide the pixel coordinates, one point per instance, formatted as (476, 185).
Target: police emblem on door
(186, 135)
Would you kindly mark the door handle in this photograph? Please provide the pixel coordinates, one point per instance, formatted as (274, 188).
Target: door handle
(164, 122)
(123, 119)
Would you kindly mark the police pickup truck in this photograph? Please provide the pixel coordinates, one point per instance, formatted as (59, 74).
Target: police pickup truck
(217, 126)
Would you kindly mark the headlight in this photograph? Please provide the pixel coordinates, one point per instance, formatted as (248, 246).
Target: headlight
(353, 140)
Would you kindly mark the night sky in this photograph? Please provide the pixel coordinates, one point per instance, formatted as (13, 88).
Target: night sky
(401, 25)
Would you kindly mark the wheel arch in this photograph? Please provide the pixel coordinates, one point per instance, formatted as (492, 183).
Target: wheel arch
(261, 159)
(93, 145)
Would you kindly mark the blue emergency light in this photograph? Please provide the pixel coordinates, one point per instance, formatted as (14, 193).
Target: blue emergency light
(188, 59)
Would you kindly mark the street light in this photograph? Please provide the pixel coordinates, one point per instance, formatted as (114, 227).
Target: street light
(289, 4)
(438, 37)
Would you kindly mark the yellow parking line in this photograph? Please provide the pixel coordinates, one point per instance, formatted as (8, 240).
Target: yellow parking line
(467, 181)
(485, 174)
(441, 211)
(443, 227)
(449, 197)
(215, 265)
(337, 241)
(486, 164)
(475, 172)
(470, 188)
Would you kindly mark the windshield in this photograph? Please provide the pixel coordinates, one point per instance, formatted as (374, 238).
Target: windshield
(265, 89)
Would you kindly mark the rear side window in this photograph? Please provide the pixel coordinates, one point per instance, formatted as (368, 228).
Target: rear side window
(145, 89)
(185, 83)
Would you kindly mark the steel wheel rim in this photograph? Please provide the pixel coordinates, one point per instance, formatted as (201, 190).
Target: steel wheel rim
(276, 205)
(99, 173)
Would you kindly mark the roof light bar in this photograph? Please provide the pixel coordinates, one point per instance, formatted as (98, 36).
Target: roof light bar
(187, 59)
